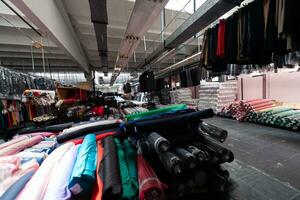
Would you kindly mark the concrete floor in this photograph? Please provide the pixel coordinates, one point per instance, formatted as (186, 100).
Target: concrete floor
(267, 161)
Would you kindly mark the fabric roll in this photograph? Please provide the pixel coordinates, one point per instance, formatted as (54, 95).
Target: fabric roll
(83, 174)
(156, 111)
(110, 171)
(172, 163)
(127, 163)
(35, 188)
(8, 165)
(98, 188)
(158, 143)
(54, 128)
(13, 141)
(19, 146)
(201, 156)
(84, 129)
(44, 134)
(213, 131)
(170, 124)
(98, 137)
(189, 160)
(150, 186)
(58, 185)
(13, 191)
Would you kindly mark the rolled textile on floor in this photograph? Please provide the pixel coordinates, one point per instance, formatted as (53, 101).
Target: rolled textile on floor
(35, 188)
(13, 191)
(83, 175)
(150, 186)
(158, 143)
(170, 124)
(58, 185)
(188, 159)
(98, 137)
(156, 111)
(263, 107)
(201, 156)
(98, 188)
(84, 129)
(19, 146)
(213, 155)
(213, 131)
(112, 186)
(127, 170)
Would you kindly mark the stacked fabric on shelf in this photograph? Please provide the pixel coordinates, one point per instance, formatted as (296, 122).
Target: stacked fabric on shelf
(263, 111)
(182, 96)
(216, 95)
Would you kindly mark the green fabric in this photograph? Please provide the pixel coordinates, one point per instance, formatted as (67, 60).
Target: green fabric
(287, 113)
(156, 111)
(128, 171)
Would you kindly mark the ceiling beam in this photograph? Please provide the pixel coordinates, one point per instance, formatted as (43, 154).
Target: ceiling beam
(54, 23)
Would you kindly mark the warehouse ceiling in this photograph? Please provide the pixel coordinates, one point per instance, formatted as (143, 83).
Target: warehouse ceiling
(17, 37)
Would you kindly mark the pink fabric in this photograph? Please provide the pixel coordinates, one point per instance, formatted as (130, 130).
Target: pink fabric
(13, 141)
(8, 165)
(19, 146)
(44, 134)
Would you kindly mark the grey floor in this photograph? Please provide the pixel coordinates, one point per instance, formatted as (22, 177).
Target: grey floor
(267, 161)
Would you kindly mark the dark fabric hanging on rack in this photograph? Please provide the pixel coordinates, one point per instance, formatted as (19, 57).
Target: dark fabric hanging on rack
(183, 79)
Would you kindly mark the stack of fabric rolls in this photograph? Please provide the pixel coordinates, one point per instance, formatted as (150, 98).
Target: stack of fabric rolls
(164, 153)
(134, 110)
(263, 111)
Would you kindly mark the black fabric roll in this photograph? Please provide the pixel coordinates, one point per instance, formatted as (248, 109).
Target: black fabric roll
(171, 162)
(213, 131)
(169, 124)
(86, 129)
(158, 143)
(144, 146)
(214, 157)
(54, 128)
(189, 160)
(200, 155)
(110, 171)
(225, 155)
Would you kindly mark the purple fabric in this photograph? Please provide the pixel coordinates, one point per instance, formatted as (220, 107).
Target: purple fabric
(58, 184)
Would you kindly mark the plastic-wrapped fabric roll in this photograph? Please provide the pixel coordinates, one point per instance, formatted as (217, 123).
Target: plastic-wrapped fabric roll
(84, 129)
(110, 171)
(171, 162)
(127, 170)
(57, 187)
(188, 159)
(35, 188)
(83, 175)
(150, 186)
(225, 155)
(170, 124)
(200, 155)
(54, 128)
(213, 155)
(156, 111)
(144, 146)
(158, 143)
(213, 131)
(98, 188)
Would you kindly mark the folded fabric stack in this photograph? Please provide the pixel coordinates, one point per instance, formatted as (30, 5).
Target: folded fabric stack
(263, 111)
(216, 95)
(181, 96)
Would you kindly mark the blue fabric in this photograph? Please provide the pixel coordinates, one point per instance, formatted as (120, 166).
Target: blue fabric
(83, 175)
(14, 190)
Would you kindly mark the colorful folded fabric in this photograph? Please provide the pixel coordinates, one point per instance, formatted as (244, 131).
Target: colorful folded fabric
(83, 174)
(98, 188)
(127, 163)
(36, 187)
(8, 165)
(19, 146)
(58, 185)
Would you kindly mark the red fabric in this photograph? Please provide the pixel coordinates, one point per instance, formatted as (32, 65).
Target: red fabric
(148, 180)
(69, 101)
(98, 110)
(98, 188)
(98, 137)
(263, 104)
(221, 39)
(264, 107)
